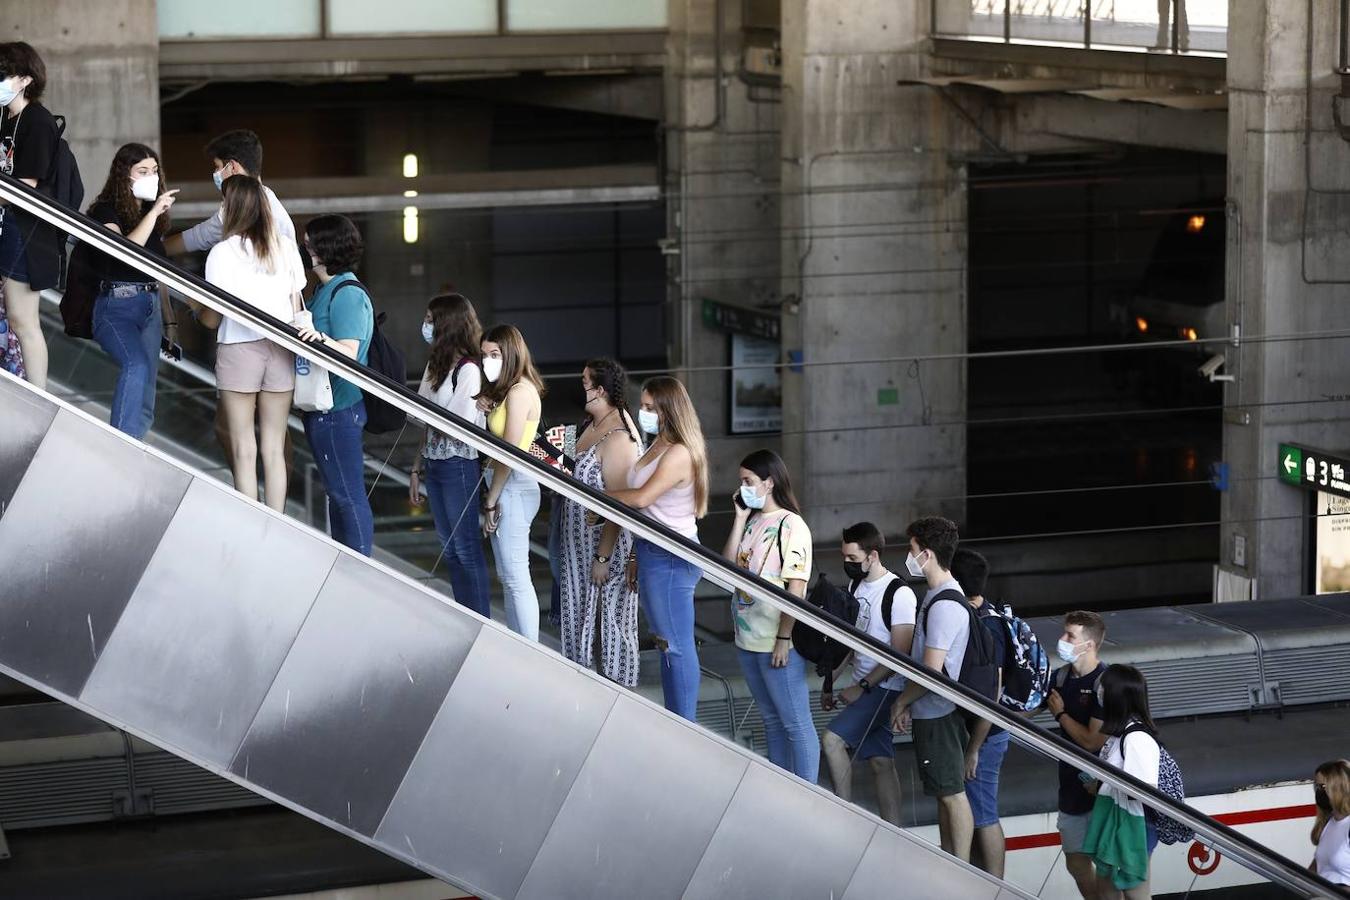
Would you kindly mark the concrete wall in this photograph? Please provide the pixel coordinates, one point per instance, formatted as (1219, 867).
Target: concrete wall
(102, 60)
(1289, 390)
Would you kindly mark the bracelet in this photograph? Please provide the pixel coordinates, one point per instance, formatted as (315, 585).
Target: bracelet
(788, 638)
(489, 509)
(173, 324)
(1058, 714)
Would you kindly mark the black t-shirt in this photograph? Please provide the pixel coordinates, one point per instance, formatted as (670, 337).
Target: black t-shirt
(1080, 704)
(28, 142)
(110, 269)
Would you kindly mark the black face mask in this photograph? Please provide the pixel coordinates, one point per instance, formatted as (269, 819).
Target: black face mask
(1321, 799)
(854, 570)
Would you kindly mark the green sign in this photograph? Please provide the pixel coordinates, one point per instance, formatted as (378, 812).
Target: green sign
(1313, 470)
(741, 320)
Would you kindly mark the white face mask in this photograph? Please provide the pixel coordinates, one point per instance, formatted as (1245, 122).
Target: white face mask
(428, 331)
(8, 91)
(145, 188)
(1067, 650)
(752, 498)
(492, 367)
(912, 566)
(649, 421)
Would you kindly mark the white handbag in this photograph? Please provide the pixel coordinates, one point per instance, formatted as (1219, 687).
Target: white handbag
(313, 390)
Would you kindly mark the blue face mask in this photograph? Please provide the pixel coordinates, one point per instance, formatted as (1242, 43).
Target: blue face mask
(428, 332)
(219, 179)
(752, 498)
(7, 94)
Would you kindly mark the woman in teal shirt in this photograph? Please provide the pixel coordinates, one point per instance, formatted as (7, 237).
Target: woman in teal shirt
(344, 320)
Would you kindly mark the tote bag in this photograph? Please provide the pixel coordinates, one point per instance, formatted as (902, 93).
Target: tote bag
(313, 390)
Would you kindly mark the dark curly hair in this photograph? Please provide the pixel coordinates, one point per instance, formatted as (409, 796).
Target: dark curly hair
(19, 58)
(455, 334)
(117, 189)
(242, 146)
(335, 242)
(611, 377)
(937, 534)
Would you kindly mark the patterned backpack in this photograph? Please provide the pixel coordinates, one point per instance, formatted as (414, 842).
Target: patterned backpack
(1026, 667)
(1170, 831)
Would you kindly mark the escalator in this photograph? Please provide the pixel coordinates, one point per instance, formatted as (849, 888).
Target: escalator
(154, 598)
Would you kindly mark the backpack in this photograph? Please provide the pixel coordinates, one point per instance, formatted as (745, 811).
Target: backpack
(811, 645)
(387, 360)
(63, 183)
(979, 669)
(1169, 830)
(1026, 667)
(77, 300)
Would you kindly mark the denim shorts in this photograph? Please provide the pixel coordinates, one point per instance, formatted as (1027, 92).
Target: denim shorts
(982, 791)
(13, 255)
(865, 725)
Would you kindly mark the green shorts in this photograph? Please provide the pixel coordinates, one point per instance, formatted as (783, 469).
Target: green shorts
(940, 751)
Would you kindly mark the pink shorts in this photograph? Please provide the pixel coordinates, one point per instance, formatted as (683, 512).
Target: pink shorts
(254, 366)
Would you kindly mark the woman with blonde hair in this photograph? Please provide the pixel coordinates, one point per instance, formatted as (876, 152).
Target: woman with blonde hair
(1331, 830)
(256, 378)
(512, 397)
(669, 483)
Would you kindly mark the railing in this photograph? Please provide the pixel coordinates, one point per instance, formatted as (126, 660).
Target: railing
(1237, 846)
(1182, 26)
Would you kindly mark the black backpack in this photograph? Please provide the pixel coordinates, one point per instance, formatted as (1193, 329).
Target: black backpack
(63, 183)
(826, 652)
(386, 359)
(979, 667)
(81, 290)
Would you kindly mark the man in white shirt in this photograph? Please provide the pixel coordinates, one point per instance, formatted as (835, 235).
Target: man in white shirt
(941, 631)
(886, 608)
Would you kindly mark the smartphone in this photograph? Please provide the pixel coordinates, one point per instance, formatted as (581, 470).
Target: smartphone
(171, 350)
(736, 498)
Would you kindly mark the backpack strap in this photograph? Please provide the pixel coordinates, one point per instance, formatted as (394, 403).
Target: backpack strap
(948, 594)
(888, 600)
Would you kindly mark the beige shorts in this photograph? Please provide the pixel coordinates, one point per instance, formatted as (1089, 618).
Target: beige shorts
(254, 366)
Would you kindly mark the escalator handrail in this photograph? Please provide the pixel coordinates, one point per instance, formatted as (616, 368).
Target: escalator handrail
(1213, 833)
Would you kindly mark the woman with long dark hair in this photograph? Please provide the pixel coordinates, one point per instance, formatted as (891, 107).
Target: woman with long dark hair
(1331, 829)
(594, 553)
(342, 318)
(256, 378)
(449, 468)
(1120, 838)
(132, 312)
(669, 483)
(514, 392)
(771, 539)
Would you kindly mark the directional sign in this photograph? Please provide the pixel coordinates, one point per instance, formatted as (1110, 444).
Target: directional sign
(1313, 470)
(741, 320)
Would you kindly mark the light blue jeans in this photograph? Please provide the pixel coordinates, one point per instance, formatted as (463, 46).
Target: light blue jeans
(127, 325)
(518, 504)
(666, 591)
(785, 704)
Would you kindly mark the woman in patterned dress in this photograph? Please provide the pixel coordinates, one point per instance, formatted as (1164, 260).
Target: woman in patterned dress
(594, 553)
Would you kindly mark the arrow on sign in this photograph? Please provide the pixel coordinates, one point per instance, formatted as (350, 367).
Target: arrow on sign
(1289, 464)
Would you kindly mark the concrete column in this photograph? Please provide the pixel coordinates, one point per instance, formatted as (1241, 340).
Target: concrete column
(722, 172)
(102, 60)
(1288, 274)
(873, 266)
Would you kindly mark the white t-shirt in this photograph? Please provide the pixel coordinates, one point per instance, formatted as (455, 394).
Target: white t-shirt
(232, 267)
(871, 596)
(1142, 761)
(207, 233)
(1333, 851)
(948, 628)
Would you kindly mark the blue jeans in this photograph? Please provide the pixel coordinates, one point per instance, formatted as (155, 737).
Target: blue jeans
(129, 328)
(982, 790)
(785, 704)
(335, 438)
(666, 590)
(517, 505)
(452, 492)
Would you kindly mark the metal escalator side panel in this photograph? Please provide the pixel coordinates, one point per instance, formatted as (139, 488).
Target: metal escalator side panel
(896, 865)
(817, 842)
(497, 764)
(74, 542)
(641, 813)
(357, 692)
(27, 418)
(207, 629)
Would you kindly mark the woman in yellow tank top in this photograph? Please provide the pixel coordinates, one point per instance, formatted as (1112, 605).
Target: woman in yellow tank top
(512, 397)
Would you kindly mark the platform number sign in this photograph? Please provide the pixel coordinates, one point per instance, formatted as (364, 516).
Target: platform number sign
(1313, 470)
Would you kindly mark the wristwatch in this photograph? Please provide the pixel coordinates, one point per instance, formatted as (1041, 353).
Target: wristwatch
(601, 559)
(866, 688)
